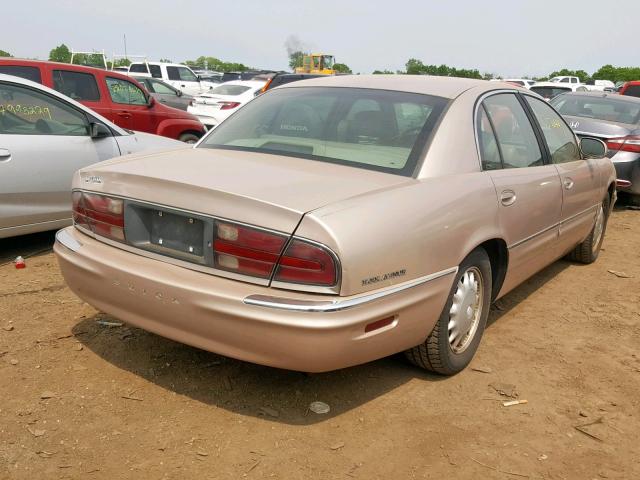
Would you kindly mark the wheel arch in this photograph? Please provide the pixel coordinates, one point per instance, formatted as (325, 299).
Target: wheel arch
(498, 253)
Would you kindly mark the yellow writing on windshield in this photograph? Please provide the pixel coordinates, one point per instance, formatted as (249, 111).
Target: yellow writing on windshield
(25, 111)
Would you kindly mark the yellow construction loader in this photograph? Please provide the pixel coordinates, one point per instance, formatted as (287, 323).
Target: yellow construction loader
(317, 63)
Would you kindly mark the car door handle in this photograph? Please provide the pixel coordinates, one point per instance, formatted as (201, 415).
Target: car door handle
(5, 155)
(124, 114)
(508, 197)
(568, 183)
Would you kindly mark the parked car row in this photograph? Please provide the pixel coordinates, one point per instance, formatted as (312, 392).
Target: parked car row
(115, 96)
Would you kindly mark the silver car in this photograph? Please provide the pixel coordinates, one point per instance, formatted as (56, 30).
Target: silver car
(44, 138)
(165, 93)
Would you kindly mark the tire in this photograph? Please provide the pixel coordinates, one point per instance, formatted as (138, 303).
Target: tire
(437, 353)
(588, 251)
(189, 138)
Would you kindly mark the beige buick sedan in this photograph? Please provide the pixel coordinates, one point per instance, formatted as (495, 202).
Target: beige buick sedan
(339, 220)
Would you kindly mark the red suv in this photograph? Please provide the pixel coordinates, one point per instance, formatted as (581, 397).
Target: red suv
(631, 88)
(113, 95)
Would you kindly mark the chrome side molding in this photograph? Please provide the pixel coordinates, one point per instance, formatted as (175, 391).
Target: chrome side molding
(67, 240)
(268, 301)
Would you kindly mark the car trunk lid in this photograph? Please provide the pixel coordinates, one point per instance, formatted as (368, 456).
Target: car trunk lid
(270, 191)
(601, 129)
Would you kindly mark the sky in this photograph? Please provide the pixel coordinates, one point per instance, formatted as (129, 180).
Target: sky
(508, 38)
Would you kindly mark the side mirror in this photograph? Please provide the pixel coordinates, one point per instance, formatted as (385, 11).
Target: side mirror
(179, 93)
(99, 130)
(593, 147)
(151, 101)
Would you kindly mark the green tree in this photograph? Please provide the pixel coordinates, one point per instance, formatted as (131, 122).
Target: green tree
(60, 54)
(89, 60)
(416, 67)
(383, 72)
(341, 68)
(5, 54)
(122, 62)
(295, 59)
(213, 63)
(617, 74)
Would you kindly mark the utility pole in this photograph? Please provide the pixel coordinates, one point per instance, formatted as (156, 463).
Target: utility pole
(125, 47)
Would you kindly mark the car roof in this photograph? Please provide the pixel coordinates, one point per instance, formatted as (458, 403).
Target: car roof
(66, 66)
(552, 84)
(55, 93)
(447, 87)
(245, 83)
(612, 96)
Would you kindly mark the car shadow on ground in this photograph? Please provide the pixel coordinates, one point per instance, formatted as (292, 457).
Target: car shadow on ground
(248, 389)
(25, 245)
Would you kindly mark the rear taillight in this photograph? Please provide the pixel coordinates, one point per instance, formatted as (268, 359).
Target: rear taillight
(629, 143)
(306, 263)
(246, 250)
(101, 214)
(228, 105)
(249, 251)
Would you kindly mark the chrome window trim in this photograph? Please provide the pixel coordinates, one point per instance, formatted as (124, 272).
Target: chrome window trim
(311, 306)
(297, 287)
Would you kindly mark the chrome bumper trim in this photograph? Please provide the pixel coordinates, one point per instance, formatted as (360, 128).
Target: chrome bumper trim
(269, 301)
(67, 240)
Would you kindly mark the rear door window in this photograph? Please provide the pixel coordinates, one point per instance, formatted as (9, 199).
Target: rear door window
(513, 130)
(22, 71)
(124, 92)
(77, 85)
(25, 111)
(160, 87)
(155, 70)
(558, 136)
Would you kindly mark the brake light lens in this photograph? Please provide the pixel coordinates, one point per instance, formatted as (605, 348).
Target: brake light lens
(308, 264)
(630, 143)
(250, 251)
(101, 214)
(246, 250)
(228, 105)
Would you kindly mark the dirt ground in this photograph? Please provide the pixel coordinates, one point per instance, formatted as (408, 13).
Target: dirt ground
(83, 400)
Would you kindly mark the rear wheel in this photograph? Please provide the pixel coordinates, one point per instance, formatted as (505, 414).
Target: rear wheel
(454, 340)
(189, 138)
(589, 249)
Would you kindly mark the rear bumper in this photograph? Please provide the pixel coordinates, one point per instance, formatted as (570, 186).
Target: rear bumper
(628, 170)
(290, 330)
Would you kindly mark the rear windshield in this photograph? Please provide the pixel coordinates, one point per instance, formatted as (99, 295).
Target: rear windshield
(549, 92)
(371, 129)
(138, 68)
(602, 108)
(23, 71)
(229, 90)
(632, 90)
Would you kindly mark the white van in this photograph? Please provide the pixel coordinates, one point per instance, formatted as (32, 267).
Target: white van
(175, 74)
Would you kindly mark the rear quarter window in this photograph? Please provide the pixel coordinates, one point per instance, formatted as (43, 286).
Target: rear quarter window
(22, 71)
